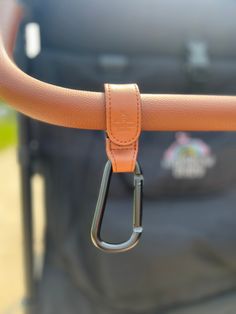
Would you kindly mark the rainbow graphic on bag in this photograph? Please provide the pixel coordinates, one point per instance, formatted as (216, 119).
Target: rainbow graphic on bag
(188, 157)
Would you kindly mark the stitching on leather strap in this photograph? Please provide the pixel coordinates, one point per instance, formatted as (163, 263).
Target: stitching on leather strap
(122, 138)
(134, 154)
(138, 116)
(113, 157)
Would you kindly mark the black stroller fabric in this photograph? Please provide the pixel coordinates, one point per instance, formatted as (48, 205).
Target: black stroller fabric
(187, 249)
(186, 260)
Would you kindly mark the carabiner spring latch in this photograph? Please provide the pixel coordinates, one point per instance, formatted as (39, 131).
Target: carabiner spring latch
(100, 208)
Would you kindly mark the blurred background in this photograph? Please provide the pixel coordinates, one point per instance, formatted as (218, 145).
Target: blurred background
(12, 283)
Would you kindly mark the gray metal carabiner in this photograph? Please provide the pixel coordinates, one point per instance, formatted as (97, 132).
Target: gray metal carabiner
(100, 208)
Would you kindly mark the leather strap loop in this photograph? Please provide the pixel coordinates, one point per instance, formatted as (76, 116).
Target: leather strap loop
(123, 125)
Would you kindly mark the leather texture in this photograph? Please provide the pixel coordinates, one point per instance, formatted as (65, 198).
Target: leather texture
(123, 125)
(86, 110)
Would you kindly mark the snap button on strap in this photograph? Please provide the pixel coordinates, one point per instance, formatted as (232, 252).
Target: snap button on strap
(123, 125)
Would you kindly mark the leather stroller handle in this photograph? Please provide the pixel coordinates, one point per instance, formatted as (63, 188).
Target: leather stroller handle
(86, 110)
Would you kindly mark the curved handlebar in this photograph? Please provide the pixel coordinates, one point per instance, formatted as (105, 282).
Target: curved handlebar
(86, 110)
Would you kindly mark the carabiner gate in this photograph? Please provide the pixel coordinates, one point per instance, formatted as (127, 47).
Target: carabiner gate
(100, 208)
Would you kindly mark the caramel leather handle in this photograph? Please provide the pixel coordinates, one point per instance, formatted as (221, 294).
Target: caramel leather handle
(86, 110)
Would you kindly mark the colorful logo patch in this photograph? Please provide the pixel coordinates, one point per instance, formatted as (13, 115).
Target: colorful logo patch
(188, 157)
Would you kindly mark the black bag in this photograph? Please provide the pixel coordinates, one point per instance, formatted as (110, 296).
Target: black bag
(186, 260)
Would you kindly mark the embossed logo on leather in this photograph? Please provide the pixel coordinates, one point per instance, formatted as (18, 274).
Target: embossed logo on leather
(188, 157)
(123, 123)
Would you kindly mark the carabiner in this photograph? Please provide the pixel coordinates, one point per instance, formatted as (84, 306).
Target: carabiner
(100, 208)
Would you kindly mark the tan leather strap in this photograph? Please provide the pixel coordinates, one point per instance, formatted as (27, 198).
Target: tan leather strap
(123, 125)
